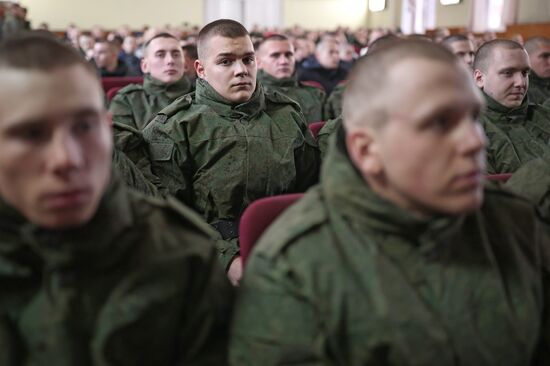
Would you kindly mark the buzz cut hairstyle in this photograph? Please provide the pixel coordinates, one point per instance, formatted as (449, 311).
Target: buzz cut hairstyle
(365, 100)
(454, 38)
(160, 35)
(40, 51)
(191, 50)
(533, 43)
(272, 37)
(222, 27)
(484, 54)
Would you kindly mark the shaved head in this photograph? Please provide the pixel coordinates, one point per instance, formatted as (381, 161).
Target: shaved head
(367, 95)
(222, 27)
(533, 43)
(485, 53)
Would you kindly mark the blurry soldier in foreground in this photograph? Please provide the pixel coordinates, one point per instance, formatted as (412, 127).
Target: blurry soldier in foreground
(401, 256)
(91, 273)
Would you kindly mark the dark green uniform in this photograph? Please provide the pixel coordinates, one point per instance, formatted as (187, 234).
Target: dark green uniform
(217, 158)
(136, 105)
(333, 105)
(310, 99)
(539, 89)
(533, 181)
(131, 175)
(347, 278)
(515, 136)
(328, 130)
(138, 285)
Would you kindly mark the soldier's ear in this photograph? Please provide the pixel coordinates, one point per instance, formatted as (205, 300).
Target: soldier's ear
(199, 68)
(144, 65)
(479, 78)
(363, 149)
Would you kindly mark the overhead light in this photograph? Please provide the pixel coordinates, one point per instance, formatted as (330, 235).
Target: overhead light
(449, 2)
(377, 5)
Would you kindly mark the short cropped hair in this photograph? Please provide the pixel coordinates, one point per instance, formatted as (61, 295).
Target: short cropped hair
(533, 43)
(191, 50)
(483, 55)
(160, 35)
(382, 42)
(40, 51)
(367, 91)
(272, 37)
(222, 27)
(447, 41)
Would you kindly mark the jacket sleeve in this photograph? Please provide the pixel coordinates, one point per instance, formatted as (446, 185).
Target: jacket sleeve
(122, 111)
(307, 158)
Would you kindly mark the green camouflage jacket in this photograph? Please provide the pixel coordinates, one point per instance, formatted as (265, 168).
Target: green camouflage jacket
(533, 181)
(326, 133)
(515, 136)
(136, 105)
(539, 89)
(346, 278)
(138, 285)
(309, 98)
(218, 158)
(333, 105)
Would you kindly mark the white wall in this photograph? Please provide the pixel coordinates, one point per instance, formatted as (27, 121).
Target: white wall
(324, 14)
(113, 13)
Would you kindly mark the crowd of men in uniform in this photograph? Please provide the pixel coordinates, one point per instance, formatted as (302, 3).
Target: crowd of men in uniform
(119, 227)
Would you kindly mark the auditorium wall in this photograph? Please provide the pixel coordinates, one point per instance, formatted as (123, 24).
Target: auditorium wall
(324, 14)
(113, 13)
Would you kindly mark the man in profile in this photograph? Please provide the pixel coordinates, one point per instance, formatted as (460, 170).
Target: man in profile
(462, 47)
(276, 65)
(401, 256)
(135, 105)
(538, 49)
(91, 272)
(518, 131)
(230, 142)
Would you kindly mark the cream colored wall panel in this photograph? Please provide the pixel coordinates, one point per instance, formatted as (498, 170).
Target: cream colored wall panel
(323, 14)
(113, 13)
(454, 15)
(534, 11)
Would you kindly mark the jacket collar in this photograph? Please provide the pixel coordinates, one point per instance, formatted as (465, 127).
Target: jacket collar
(496, 109)
(172, 91)
(270, 81)
(205, 94)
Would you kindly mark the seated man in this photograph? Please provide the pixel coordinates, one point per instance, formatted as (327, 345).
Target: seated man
(538, 49)
(105, 59)
(91, 273)
(230, 143)
(462, 47)
(276, 66)
(135, 104)
(400, 256)
(324, 66)
(517, 130)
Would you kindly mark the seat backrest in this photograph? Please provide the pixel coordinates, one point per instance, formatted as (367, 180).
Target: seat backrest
(111, 82)
(315, 127)
(313, 83)
(258, 216)
(503, 177)
(112, 92)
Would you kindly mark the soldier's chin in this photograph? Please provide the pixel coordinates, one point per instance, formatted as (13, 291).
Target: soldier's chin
(241, 96)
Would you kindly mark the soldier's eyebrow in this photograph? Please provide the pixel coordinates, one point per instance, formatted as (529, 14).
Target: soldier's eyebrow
(231, 54)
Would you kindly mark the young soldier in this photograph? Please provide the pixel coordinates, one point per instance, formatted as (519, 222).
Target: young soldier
(136, 105)
(90, 272)
(462, 47)
(400, 256)
(538, 49)
(277, 66)
(518, 131)
(230, 143)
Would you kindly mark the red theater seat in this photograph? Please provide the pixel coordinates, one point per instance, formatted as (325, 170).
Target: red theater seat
(112, 92)
(313, 83)
(113, 82)
(315, 127)
(499, 177)
(258, 216)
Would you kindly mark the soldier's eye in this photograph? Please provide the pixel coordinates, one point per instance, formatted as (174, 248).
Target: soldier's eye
(224, 62)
